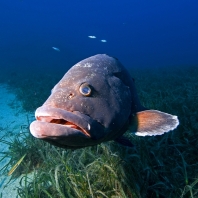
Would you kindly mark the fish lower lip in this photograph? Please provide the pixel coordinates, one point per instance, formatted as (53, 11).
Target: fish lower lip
(63, 122)
(44, 130)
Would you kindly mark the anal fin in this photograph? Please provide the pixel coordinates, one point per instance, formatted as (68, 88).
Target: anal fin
(124, 141)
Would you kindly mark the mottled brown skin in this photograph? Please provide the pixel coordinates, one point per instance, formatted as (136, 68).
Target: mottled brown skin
(70, 119)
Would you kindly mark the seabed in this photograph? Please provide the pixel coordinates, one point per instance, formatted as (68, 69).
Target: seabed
(162, 166)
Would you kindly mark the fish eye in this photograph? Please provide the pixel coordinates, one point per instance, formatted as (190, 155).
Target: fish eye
(85, 89)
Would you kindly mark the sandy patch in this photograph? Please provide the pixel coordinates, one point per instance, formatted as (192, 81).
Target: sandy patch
(12, 117)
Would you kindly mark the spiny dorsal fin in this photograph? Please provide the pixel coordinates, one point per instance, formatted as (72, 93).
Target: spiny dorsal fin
(152, 122)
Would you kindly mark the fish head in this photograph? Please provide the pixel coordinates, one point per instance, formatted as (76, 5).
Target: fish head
(92, 103)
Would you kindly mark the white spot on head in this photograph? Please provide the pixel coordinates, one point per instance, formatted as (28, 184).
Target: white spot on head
(103, 40)
(78, 65)
(87, 65)
(83, 65)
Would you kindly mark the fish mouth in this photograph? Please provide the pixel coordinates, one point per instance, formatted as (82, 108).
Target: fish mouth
(56, 123)
(62, 122)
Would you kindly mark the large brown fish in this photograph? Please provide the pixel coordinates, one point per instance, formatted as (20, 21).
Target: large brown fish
(94, 102)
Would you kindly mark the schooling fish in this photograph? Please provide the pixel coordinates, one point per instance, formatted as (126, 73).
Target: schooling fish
(94, 102)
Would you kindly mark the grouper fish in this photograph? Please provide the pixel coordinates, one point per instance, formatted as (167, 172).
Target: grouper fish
(94, 102)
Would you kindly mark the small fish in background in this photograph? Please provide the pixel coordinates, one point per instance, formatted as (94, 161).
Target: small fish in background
(56, 49)
(94, 102)
(93, 37)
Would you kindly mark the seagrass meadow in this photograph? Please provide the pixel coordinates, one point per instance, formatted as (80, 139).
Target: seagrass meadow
(163, 166)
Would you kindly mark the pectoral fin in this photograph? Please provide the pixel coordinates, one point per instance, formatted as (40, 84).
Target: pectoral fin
(152, 122)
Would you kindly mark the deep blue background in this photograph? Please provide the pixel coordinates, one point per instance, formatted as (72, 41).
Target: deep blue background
(141, 33)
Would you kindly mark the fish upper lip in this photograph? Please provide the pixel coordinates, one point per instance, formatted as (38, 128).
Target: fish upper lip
(65, 118)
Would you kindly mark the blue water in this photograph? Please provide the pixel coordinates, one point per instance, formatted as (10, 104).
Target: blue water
(140, 33)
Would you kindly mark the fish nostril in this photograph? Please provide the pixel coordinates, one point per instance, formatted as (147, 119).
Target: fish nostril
(70, 96)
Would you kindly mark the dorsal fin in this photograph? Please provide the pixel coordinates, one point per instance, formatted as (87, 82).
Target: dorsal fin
(152, 122)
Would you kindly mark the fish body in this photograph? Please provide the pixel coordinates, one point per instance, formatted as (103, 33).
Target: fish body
(94, 102)
(56, 49)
